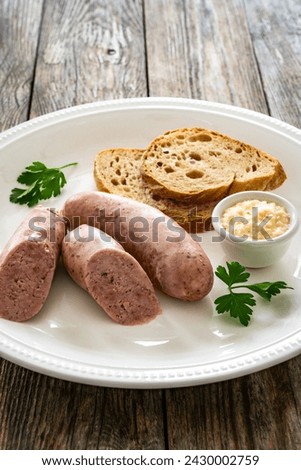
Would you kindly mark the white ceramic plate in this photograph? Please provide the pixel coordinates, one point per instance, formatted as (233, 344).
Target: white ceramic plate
(71, 338)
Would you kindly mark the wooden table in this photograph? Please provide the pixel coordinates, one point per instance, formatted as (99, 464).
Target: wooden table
(56, 54)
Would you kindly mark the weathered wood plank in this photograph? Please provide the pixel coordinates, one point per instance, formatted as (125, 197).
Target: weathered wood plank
(202, 49)
(38, 412)
(88, 51)
(19, 33)
(259, 411)
(276, 34)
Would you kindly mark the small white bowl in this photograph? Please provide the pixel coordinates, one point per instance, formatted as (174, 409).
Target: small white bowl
(249, 252)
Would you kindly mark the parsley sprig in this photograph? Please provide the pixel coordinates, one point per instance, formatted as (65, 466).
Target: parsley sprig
(239, 305)
(42, 183)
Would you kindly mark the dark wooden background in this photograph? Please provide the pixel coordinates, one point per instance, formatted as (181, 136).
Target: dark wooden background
(56, 54)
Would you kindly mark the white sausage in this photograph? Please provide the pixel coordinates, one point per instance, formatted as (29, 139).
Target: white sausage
(114, 279)
(175, 262)
(28, 262)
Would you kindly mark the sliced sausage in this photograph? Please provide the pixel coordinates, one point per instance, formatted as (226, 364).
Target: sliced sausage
(114, 279)
(175, 262)
(28, 262)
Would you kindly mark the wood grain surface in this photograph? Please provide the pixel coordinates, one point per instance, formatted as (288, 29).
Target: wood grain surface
(19, 35)
(89, 51)
(59, 54)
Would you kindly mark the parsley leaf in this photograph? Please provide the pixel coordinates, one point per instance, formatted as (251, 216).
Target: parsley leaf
(238, 305)
(236, 273)
(269, 289)
(42, 183)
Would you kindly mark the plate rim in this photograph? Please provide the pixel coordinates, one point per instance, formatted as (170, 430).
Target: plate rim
(161, 377)
(113, 105)
(164, 377)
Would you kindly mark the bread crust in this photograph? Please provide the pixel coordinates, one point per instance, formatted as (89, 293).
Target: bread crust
(118, 171)
(201, 165)
(233, 166)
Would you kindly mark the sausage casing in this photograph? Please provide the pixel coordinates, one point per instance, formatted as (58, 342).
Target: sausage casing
(174, 262)
(114, 279)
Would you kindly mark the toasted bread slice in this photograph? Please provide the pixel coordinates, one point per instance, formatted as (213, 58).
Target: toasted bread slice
(199, 165)
(118, 171)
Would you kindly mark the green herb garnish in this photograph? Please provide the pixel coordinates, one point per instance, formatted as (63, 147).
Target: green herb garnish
(42, 183)
(239, 305)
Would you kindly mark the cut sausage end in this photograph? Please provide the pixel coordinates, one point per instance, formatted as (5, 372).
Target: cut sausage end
(121, 287)
(28, 262)
(25, 281)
